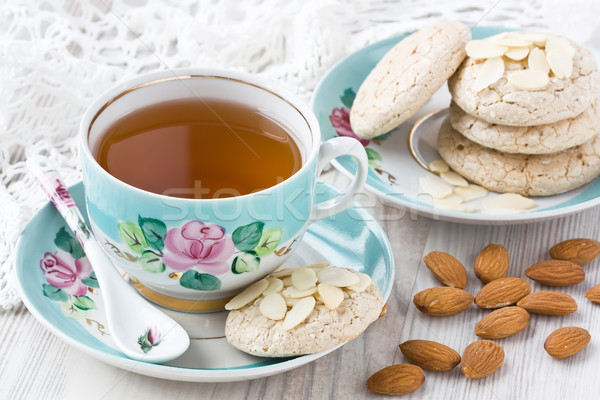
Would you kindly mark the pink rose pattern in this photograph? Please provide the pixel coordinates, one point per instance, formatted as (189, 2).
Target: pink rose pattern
(66, 273)
(340, 119)
(197, 244)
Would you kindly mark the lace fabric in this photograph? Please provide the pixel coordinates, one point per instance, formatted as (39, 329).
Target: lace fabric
(57, 55)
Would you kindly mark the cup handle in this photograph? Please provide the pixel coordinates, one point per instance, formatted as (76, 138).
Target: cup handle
(333, 148)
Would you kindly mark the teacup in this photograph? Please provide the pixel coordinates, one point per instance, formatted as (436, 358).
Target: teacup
(195, 254)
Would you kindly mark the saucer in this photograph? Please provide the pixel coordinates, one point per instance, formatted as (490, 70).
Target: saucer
(351, 238)
(397, 159)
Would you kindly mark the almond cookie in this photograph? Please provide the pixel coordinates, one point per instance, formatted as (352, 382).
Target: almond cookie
(249, 330)
(407, 76)
(503, 103)
(536, 139)
(528, 175)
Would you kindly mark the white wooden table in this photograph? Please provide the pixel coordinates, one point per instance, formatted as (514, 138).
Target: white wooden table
(34, 364)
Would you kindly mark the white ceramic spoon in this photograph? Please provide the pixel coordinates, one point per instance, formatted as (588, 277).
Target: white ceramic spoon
(139, 329)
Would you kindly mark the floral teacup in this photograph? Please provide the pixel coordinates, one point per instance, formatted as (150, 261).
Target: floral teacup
(194, 254)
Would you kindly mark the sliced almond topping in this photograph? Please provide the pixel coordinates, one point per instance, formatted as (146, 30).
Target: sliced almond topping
(506, 201)
(273, 306)
(560, 63)
(319, 265)
(491, 70)
(471, 192)
(452, 203)
(287, 281)
(528, 79)
(332, 296)
(282, 273)
(299, 312)
(275, 286)
(539, 39)
(518, 53)
(363, 284)
(247, 295)
(337, 277)
(434, 187)
(478, 49)
(304, 278)
(294, 293)
(537, 60)
(318, 298)
(291, 302)
(512, 42)
(454, 179)
(556, 43)
(442, 204)
(438, 166)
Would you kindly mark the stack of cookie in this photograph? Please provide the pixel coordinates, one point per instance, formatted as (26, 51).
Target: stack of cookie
(525, 115)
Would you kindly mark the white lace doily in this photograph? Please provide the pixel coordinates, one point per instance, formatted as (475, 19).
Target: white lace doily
(56, 56)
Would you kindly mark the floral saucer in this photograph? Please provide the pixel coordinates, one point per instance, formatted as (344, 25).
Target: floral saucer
(59, 288)
(394, 171)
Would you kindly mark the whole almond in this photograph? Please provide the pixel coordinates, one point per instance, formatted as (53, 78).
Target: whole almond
(593, 294)
(383, 310)
(556, 273)
(481, 358)
(502, 292)
(547, 302)
(491, 263)
(443, 301)
(580, 251)
(565, 342)
(502, 323)
(396, 380)
(430, 355)
(447, 269)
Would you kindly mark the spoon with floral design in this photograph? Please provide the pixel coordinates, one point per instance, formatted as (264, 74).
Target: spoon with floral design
(139, 329)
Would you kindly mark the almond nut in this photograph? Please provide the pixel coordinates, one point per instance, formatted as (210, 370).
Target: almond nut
(502, 323)
(578, 251)
(383, 311)
(396, 380)
(446, 269)
(299, 312)
(247, 295)
(430, 355)
(593, 294)
(479, 49)
(556, 273)
(491, 263)
(337, 277)
(454, 179)
(439, 166)
(434, 187)
(481, 358)
(443, 301)
(565, 342)
(502, 292)
(537, 60)
(273, 306)
(547, 302)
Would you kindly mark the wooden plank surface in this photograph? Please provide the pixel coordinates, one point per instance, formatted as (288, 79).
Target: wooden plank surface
(34, 364)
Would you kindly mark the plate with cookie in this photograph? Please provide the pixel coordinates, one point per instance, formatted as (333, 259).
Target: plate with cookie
(326, 294)
(479, 125)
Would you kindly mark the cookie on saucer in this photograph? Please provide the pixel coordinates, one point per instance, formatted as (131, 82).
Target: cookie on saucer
(258, 330)
(528, 175)
(503, 103)
(536, 139)
(407, 76)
